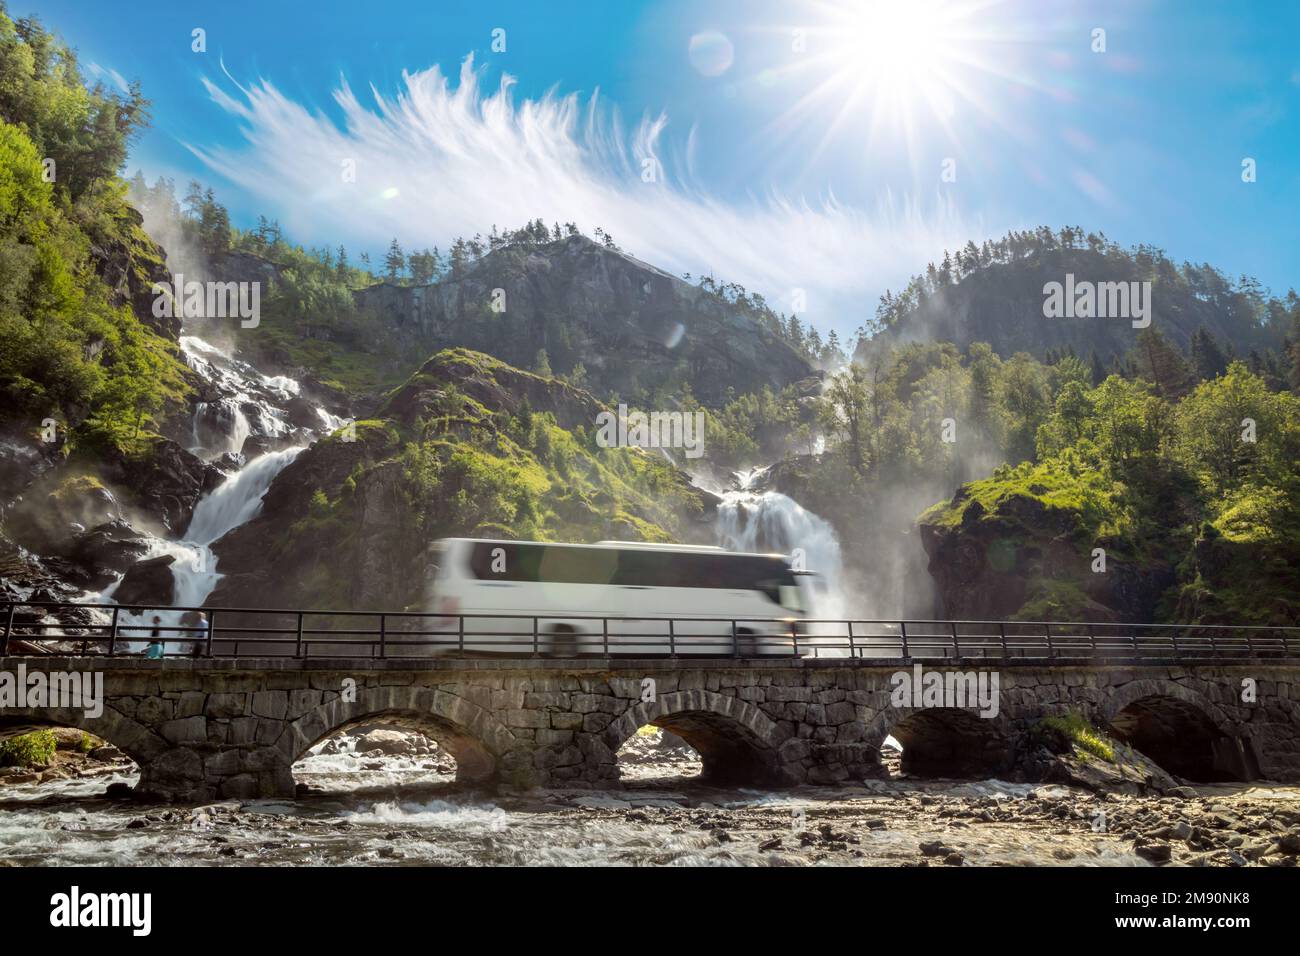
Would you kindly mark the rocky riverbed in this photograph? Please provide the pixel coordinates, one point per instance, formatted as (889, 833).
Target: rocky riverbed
(379, 796)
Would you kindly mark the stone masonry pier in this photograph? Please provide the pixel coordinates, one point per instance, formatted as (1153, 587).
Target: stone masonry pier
(212, 727)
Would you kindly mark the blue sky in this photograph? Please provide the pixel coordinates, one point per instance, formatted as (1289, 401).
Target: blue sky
(797, 147)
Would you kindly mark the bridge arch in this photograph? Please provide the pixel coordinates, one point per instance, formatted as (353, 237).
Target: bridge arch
(945, 741)
(1120, 698)
(475, 738)
(1181, 730)
(736, 741)
(127, 735)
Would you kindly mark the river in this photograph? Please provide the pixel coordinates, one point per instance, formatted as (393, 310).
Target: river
(407, 810)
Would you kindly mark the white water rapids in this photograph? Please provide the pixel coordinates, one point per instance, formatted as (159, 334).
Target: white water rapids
(237, 500)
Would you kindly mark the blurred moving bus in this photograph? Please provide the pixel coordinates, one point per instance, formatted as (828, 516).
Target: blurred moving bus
(619, 595)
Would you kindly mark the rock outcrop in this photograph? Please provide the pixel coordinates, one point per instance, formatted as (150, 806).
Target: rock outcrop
(349, 523)
(634, 328)
(1020, 554)
(1002, 304)
(166, 481)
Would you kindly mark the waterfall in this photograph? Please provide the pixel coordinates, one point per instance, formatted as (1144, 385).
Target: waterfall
(233, 503)
(227, 419)
(220, 426)
(770, 521)
(239, 498)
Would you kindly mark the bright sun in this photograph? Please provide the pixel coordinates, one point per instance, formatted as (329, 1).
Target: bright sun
(899, 54)
(891, 43)
(896, 65)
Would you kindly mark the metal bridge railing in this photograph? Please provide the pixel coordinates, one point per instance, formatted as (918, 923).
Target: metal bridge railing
(111, 630)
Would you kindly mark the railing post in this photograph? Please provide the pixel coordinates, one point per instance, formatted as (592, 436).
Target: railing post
(1250, 645)
(604, 635)
(794, 636)
(1002, 634)
(212, 626)
(956, 644)
(460, 634)
(1174, 633)
(1092, 640)
(112, 634)
(534, 637)
(297, 650)
(902, 629)
(672, 639)
(383, 636)
(735, 641)
(9, 627)
(853, 651)
(1048, 626)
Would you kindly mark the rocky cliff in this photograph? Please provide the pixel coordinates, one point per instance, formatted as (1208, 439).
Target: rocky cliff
(1025, 547)
(1002, 304)
(637, 331)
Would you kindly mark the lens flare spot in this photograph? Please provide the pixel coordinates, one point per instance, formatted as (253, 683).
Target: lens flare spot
(711, 53)
(674, 336)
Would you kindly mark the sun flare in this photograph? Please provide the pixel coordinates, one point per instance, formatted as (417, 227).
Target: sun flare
(896, 44)
(893, 67)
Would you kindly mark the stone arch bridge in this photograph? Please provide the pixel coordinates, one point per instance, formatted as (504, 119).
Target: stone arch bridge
(233, 727)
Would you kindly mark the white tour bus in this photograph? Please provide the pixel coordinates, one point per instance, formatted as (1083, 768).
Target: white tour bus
(613, 597)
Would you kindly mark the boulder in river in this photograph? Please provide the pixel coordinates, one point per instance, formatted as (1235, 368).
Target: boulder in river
(148, 583)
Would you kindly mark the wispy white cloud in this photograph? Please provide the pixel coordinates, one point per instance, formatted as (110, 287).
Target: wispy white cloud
(104, 73)
(439, 161)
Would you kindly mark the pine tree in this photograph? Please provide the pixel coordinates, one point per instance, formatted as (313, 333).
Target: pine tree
(1208, 360)
(394, 261)
(193, 202)
(1161, 364)
(834, 354)
(421, 264)
(1097, 368)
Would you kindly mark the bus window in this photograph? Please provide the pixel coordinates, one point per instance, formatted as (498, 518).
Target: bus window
(628, 567)
(542, 564)
(578, 565)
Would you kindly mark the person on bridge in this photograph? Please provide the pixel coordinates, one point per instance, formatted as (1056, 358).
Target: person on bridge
(155, 649)
(197, 623)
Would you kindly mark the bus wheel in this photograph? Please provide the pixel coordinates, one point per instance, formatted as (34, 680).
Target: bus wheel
(746, 645)
(562, 641)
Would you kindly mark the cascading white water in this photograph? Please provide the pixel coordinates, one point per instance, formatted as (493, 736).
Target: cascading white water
(226, 417)
(233, 503)
(194, 570)
(770, 521)
(239, 498)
